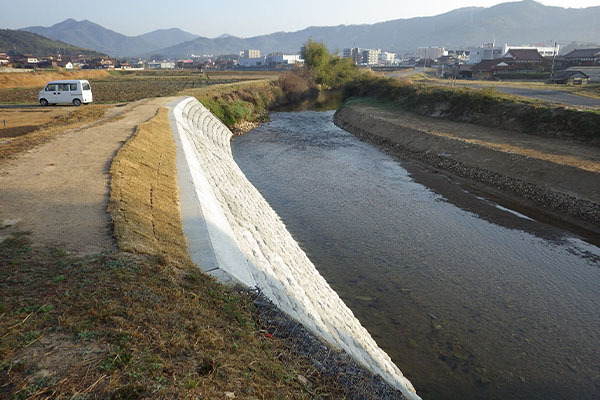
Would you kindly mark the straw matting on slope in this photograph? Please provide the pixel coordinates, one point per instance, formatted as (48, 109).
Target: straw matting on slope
(144, 200)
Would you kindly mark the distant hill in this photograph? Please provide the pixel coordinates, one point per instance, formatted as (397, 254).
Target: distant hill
(166, 37)
(523, 22)
(88, 34)
(21, 42)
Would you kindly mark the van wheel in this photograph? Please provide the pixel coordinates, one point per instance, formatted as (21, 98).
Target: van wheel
(43, 102)
(76, 102)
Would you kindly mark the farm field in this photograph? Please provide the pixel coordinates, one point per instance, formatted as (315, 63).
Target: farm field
(118, 87)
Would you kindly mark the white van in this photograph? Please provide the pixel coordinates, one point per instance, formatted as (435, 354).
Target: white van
(66, 92)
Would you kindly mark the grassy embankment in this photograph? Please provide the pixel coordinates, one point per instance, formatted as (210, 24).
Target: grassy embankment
(485, 107)
(125, 326)
(240, 106)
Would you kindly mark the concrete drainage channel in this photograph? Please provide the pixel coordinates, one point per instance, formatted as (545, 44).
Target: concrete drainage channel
(236, 236)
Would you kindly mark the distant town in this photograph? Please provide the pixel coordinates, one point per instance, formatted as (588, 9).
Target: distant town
(486, 62)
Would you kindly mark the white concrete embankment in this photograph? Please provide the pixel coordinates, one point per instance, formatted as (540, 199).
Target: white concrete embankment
(235, 235)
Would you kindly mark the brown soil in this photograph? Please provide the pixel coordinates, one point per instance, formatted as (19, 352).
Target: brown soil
(28, 127)
(59, 191)
(33, 79)
(20, 121)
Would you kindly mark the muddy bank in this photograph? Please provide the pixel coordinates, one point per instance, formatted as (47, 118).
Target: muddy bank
(554, 176)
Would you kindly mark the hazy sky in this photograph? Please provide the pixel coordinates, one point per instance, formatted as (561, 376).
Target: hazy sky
(236, 17)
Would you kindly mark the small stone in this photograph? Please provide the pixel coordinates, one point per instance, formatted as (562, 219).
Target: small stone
(302, 379)
(230, 395)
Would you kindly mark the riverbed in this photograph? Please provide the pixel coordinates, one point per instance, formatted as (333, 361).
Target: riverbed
(470, 298)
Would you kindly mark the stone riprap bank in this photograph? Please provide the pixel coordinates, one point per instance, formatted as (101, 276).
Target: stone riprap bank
(235, 235)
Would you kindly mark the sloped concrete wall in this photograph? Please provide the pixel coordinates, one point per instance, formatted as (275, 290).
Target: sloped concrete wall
(235, 235)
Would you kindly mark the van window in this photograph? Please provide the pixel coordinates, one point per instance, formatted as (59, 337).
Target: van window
(63, 87)
(86, 86)
(50, 88)
(73, 86)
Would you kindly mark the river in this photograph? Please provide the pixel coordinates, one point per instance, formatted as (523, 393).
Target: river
(470, 299)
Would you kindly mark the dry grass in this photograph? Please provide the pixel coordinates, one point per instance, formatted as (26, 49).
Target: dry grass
(20, 121)
(39, 131)
(126, 326)
(38, 79)
(144, 204)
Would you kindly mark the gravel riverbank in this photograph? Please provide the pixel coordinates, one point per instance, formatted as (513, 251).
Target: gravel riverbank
(355, 381)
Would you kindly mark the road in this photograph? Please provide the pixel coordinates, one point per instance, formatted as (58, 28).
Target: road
(549, 95)
(553, 96)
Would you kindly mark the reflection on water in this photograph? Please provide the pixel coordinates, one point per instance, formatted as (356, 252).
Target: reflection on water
(466, 308)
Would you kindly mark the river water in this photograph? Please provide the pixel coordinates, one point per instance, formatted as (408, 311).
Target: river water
(470, 305)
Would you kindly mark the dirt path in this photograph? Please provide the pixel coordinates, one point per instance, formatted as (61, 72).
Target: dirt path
(59, 191)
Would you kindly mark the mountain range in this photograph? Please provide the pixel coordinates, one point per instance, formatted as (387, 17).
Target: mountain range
(20, 42)
(90, 35)
(521, 22)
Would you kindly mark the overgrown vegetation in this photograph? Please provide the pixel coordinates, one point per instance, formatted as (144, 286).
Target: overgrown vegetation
(327, 70)
(239, 104)
(486, 107)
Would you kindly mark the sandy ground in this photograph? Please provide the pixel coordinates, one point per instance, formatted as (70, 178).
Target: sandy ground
(59, 190)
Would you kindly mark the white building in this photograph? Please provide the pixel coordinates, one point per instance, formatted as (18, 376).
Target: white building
(161, 65)
(253, 62)
(285, 59)
(487, 51)
(430, 53)
(250, 53)
(490, 51)
(545, 51)
(386, 58)
(362, 56)
(463, 55)
(370, 56)
(354, 54)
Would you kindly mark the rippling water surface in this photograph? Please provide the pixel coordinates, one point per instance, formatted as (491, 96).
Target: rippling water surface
(468, 309)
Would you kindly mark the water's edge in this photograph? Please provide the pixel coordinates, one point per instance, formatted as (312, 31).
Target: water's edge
(579, 214)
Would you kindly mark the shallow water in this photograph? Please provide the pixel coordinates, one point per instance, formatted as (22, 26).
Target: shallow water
(467, 308)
